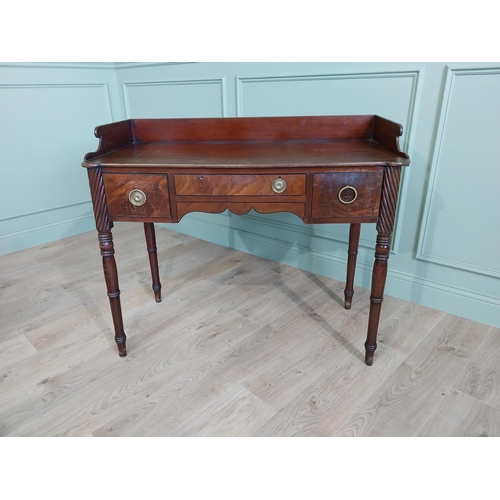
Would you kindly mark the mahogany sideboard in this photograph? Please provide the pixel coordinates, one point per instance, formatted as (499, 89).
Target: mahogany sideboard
(324, 169)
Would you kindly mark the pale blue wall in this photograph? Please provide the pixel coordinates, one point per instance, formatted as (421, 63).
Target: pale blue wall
(447, 238)
(47, 117)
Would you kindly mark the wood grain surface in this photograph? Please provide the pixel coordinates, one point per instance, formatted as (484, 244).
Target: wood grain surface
(239, 346)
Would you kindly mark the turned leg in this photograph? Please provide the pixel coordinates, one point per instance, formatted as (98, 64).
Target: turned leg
(385, 226)
(377, 294)
(111, 277)
(352, 254)
(149, 231)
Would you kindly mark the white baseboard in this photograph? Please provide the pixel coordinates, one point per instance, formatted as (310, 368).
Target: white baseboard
(44, 233)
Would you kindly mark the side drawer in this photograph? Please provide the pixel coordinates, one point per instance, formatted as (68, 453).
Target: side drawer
(346, 194)
(137, 195)
(240, 185)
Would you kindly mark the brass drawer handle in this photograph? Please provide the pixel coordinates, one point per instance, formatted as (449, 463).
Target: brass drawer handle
(279, 185)
(137, 197)
(347, 195)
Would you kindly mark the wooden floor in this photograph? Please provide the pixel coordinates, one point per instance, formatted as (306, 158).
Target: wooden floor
(239, 346)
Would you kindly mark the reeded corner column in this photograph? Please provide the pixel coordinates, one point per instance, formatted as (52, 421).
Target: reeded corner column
(385, 227)
(104, 226)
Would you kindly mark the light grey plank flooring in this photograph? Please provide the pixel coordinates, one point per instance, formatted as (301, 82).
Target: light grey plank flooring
(239, 346)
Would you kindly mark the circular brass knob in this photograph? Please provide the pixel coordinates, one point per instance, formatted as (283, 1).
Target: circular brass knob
(348, 194)
(137, 197)
(279, 185)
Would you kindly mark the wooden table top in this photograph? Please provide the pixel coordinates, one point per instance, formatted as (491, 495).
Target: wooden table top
(252, 154)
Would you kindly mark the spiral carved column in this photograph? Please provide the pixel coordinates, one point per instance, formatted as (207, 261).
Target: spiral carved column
(104, 226)
(385, 227)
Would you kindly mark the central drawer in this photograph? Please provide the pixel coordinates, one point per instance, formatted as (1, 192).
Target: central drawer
(240, 185)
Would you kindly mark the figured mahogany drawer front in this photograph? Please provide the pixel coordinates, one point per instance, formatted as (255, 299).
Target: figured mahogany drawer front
(347, 194)
(240, 185)
(137, 195)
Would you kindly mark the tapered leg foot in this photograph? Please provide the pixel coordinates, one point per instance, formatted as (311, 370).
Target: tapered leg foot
(122, 347)
(369, 353)
(347, 301)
